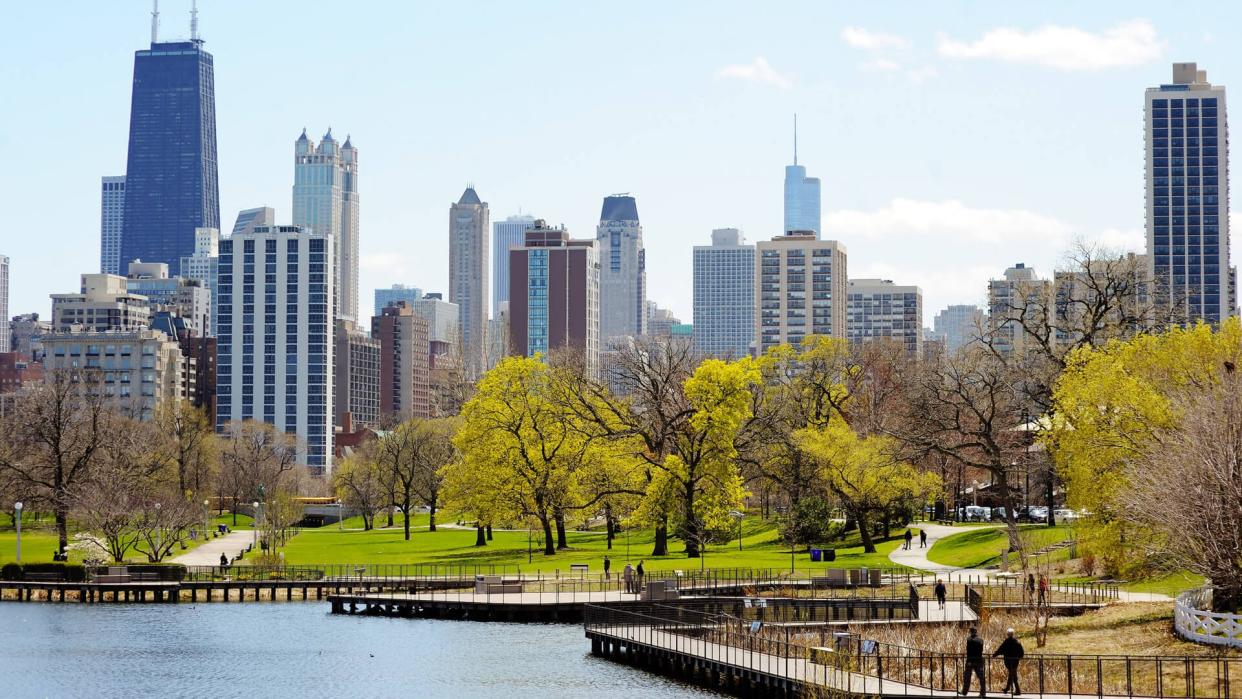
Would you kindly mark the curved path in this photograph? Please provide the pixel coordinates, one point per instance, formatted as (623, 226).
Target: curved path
(208, 554)
(917, 558)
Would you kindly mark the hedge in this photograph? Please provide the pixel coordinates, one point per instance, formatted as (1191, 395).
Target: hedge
(69, 572)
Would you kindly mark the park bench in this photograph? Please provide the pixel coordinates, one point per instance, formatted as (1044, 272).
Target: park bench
(144, 577)
(659, 590)
(580, 568)
(494, 585)
(115, 575)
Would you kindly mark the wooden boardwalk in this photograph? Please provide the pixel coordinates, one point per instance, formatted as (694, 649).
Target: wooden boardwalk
(750, 671)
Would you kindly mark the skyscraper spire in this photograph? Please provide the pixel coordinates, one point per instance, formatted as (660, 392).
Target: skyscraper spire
(155, 21)
(795, 138)
(194, 20)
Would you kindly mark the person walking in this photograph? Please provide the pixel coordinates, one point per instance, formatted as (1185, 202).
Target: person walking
(1012, 651)
(1030, 588)
(1043, 588)
(941, 592)
(639, 586)
(909, 538)
(974, 663)
(922, 538)
(607, 567)
(627, 574)
(224, 560)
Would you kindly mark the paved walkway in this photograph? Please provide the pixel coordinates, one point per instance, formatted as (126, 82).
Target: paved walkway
(917, 558)
(209, 553)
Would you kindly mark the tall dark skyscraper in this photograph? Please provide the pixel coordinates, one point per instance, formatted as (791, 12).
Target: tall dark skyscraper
(171, 183)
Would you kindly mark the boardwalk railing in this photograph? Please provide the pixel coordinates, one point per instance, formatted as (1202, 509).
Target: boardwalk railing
(852, 663)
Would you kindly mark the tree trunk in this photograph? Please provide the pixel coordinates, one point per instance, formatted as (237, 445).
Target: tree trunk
(562, 542)
(489, 532)
(432, 508)
(1226, 598)
(62, 526)
(609, 526)
(405, 519)
(1052, 521)
(661, 540)
(691, 527)
(480, 538)
(864, 532)
(546, 523)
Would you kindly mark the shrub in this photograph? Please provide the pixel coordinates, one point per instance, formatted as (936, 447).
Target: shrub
(11, 571)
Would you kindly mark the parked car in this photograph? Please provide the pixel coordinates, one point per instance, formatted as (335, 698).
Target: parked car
(977, 513)
(1038, 514)
(1064, 514)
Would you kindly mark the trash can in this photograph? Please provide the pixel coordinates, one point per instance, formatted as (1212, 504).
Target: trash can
(815, 555)
(830, 555)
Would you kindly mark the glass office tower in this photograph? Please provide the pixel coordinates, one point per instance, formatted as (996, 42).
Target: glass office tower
(170, 181)
(1188, 193)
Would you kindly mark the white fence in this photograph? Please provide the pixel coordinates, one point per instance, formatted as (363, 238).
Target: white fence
(1194, 622)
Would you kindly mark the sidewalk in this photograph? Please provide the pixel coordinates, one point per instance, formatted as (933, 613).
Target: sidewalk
(209, 553)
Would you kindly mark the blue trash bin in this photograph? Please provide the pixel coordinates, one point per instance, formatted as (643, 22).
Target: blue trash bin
(815, 555)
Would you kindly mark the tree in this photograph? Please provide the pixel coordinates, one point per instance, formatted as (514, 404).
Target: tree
(519, 438)
(412, 456)
(864, 473)
(50, 440)
(186, 438)
(121, 484)
(163, 521)
(281, 512)
(358, 483)
(1112, 406)
(1186, 487)
(254, 456)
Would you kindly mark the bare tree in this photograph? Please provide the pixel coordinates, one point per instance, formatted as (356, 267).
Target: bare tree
(359, 484)
(163, 521)
(1187, 489)
(121, 483)
(51, 439)
(411, 456)
(186, 438)
(254, 457)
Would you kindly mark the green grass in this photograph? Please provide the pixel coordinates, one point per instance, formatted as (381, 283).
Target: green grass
(982, 547)
(1171, 584)
(39, 540)
(762, 547)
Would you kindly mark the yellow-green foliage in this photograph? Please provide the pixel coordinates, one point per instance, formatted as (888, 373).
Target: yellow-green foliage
(1108, 406)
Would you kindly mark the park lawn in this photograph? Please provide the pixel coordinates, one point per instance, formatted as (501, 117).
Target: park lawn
(1171, 584)
(762, 547)
(39, 541)
(982, 547)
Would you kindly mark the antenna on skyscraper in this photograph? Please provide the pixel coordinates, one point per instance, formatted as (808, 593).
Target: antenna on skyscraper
(795, 138)
(155, 21)
(194, 20)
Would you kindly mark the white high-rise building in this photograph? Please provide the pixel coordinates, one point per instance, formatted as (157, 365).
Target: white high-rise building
(111, 218)
(959, 325)
(802, 289)
(442, 319)
(1019, 292)
(724, 295)
(203, 266)
(506, 234)
(468, 278)
(880, 309)
(325, 199)
(1186, 139)
(275, 335)
(802, 196)
(5, 334)
(623, 270)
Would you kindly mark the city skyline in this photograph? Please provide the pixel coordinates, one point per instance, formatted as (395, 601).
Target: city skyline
(894, 201)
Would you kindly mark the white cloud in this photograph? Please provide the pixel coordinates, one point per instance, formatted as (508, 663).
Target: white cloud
(880, 65)
(860, 38)
(1130, 43)
(759, 71)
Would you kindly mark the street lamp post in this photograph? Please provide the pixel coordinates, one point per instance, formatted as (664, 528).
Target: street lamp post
(340, 514)
(17, 506)
(254, 525)
(159, 539)
(738, 515)
(530, 540)
(206, 518)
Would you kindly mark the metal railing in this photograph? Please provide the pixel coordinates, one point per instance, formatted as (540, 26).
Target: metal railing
(849, 662)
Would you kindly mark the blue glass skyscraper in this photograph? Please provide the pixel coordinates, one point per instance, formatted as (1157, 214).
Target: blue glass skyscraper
(801, 196)
(171, 182)
(1188, 193)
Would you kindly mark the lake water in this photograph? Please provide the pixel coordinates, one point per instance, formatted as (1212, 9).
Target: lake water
(297, 650)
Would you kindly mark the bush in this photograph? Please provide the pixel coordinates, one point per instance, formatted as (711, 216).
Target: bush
(69, 572)
(11, 571)
(166, 572)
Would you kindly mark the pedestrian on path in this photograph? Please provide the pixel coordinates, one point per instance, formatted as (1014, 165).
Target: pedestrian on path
(224, 561)
(909, 538)
(941, 592)
(1043, 588)
(974, 663)
(1012, 651)
(639, 570)
(922, 538)
(1030, 587)
(607, 567)
(627, 574)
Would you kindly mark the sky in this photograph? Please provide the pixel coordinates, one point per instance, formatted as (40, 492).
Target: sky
(953, 139)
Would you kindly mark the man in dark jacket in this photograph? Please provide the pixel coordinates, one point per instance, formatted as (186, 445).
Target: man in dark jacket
(1011, 650)
(941, 592)
(974, 662)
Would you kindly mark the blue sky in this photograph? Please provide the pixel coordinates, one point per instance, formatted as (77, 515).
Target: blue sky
(953, 138)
